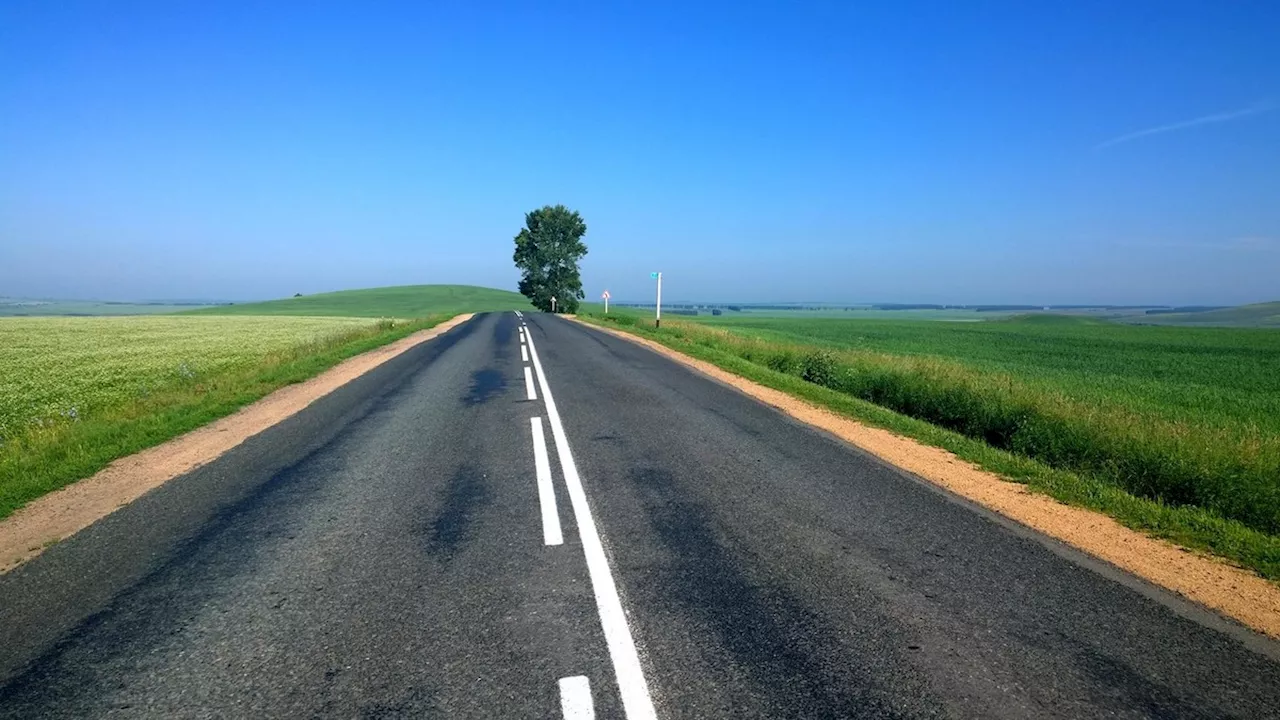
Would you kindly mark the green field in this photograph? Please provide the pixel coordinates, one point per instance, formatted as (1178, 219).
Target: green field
(1172, 429)
(1260, 315)
(1202, 376)
(407, 301)
(79, 392)
(57, 368)
(854, 314)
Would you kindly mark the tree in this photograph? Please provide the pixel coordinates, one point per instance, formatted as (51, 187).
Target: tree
(548, 250)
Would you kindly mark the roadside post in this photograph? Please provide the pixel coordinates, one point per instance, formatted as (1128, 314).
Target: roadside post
(605, 295)
(553, 304)
(657, 315)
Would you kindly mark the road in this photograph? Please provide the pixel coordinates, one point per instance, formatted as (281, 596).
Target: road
(442, 538)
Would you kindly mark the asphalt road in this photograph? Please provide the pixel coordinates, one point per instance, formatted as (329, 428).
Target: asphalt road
(385, 553)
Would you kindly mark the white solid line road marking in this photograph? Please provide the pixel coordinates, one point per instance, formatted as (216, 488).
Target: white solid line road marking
(524, 354)
(617, 634)
(528, 384)
(551, 534)
(575, 698)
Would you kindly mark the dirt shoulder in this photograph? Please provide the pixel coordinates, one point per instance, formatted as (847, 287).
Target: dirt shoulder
(61, 514)
(1231, 591)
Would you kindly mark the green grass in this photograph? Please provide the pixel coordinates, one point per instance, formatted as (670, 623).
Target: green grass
(1170, 430)
(57, 368)
(1202, 376)
(78, 393)
(407, 301)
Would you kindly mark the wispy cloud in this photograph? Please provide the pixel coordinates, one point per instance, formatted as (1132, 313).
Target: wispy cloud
(1185, 124)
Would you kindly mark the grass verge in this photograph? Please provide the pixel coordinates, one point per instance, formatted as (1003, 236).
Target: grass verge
(45, 458)
(809, 372)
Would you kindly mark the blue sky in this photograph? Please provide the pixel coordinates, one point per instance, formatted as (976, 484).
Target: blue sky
(1121, 152)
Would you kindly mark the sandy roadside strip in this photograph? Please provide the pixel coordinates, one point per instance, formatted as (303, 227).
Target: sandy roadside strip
(63, 513)
(1229, 590)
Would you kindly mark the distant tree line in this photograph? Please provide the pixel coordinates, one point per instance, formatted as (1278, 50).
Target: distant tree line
(736, 308)
(718, 308)
(1185, 309)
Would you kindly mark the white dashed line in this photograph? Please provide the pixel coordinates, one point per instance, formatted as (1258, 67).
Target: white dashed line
(613, 620)
(575, 698)
(551, 534)
(524, 354)
(528, 384)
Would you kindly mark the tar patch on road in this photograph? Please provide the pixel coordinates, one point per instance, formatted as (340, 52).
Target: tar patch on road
(485, 383)
(466, 495)
(772, 638)
(503, 332)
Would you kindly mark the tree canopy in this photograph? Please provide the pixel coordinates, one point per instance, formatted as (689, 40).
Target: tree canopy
(548, 250)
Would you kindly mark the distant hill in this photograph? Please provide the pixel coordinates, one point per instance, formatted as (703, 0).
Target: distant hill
(1259, 315)
(405, 301)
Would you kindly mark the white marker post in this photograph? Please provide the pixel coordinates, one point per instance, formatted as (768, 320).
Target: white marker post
(657, 316)
(606, 297)
(553, 304)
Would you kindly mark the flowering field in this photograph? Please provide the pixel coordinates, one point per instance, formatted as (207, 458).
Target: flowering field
(64, 369)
